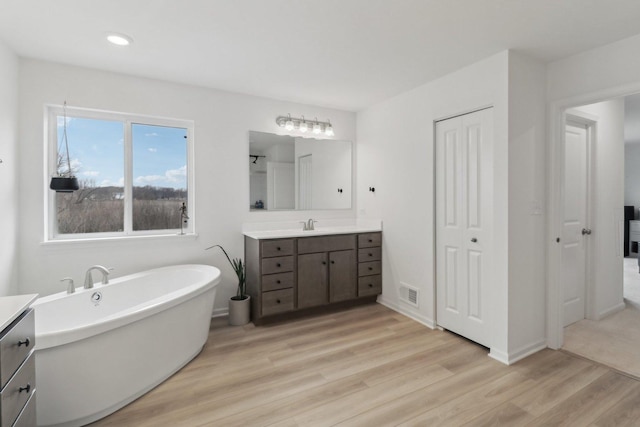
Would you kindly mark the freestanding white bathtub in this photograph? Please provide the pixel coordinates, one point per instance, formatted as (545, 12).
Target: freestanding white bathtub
(99, 349)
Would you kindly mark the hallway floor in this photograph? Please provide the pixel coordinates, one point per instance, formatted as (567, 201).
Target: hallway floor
(615, 340)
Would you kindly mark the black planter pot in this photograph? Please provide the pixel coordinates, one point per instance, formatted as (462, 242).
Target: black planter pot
(62, 184)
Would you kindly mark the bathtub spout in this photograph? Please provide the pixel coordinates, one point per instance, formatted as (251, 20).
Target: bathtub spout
(88, 278)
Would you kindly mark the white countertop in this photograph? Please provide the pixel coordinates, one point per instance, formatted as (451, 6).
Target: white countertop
(319, 231)
(13, 306)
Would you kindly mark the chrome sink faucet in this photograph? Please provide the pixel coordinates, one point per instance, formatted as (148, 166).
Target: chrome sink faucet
(308, 225)
(70, 286)
(88, 278)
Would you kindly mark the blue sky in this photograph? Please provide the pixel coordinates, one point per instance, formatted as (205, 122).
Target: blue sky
(97, 152)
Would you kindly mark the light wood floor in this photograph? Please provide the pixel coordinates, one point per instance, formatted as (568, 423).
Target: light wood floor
(373, 367)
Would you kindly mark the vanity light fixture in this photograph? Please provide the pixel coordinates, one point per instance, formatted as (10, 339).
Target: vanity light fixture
(288, 124)
(301, 125)
(119, 39)
(328, 129)
(317, 129)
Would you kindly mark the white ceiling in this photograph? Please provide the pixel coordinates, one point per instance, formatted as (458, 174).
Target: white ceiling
(344, 54)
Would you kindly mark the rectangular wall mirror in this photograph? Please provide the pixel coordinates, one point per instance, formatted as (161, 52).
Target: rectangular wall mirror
(294, 173)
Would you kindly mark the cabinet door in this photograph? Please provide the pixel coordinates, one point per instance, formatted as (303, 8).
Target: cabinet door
(312, 280)
(342, 275)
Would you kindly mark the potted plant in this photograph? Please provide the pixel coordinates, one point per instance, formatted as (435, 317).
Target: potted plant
(239, 305)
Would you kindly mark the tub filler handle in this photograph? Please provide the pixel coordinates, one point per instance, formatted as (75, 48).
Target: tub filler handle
(25, 343)
(71, 288)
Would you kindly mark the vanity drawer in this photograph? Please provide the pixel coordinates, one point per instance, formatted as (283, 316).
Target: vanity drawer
(17, 391)
(369, 254)
(272, 282)
(15, 345)
(342, 242)
(369, 268)
(277, 265)
(27, 417)
(271, 248)
(369, 240)
(277, 301)
(369, 285)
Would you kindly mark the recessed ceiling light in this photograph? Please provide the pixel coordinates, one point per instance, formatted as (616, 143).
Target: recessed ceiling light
(119, 39)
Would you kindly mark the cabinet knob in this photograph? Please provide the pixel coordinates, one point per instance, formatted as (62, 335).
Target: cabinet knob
(370, 254)
(333, 262)
(370, 240)
(324, 262)
(278, 282)
(371, 285)
(277, 301)
(370, 268)
(27, 389)
(278, 265)
(25, 343)
(278, 248)
(474, 240)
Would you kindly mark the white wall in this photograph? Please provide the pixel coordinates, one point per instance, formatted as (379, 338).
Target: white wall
(607, 207)
(8, 170)
(527, 193)
(222, 124)
(632, 176)
(395, 155)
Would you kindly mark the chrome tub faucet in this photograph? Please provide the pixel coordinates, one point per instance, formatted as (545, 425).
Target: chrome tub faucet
(88, 278)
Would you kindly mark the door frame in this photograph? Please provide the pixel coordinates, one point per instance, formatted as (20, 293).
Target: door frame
(591, 123)
(555, 161)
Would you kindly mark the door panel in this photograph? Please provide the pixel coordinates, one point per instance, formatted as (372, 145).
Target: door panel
(575, 219)
(312, 280)
(463, 223)
(342, 276)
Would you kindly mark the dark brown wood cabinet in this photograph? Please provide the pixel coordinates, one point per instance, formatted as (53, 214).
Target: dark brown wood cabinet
(298, 275)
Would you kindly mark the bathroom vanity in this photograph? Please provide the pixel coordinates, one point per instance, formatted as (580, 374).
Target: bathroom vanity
(17, 362)
(292, 273)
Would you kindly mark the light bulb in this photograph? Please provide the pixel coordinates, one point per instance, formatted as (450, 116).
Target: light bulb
(289, 125)
(328, 130)
(316, 128)
(303, 126)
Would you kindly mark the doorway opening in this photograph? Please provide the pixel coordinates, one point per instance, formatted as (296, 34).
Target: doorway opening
(605, 331)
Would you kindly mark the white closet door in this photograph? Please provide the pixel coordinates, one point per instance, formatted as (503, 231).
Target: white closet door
(464, 228)
(576, 172)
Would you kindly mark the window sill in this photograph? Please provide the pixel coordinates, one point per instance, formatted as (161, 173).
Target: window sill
(99, 241)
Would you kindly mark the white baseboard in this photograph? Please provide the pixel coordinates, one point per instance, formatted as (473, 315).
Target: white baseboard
(526, 350)
(612, 310)
(219, 312)
(418, 317)
(498, 355)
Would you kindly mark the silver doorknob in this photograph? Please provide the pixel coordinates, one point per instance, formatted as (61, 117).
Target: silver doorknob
(586, 231)
(474, 240)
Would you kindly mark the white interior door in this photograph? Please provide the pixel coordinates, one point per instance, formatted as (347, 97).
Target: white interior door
(305, 182)
(576, 178)
(464, 198)
(280, 186)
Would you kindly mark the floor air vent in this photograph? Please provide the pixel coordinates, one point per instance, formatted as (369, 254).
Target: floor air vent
(408, 294)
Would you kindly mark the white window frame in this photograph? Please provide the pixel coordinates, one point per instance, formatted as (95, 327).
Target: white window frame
(51, 148)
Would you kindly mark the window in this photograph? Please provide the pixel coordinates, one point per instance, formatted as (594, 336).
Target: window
(134, 173)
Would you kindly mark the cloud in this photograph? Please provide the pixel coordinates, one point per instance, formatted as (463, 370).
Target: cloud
(90, 173)
(109, 183)
(151, 134)
(170, 176)
(152, 150)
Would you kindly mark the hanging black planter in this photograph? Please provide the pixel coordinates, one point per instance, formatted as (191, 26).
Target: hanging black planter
(63, 184)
